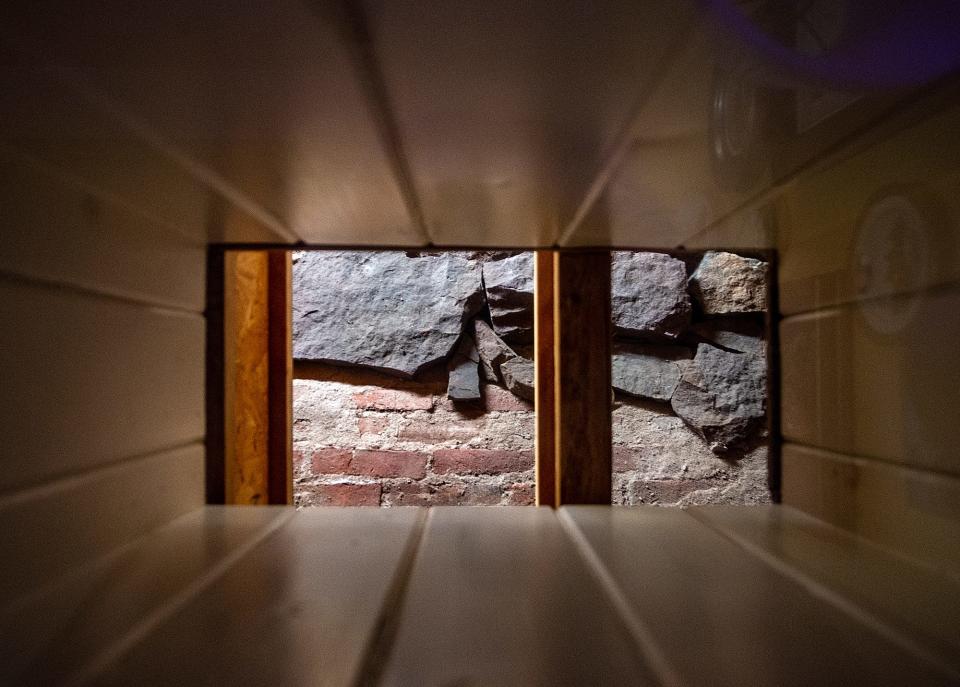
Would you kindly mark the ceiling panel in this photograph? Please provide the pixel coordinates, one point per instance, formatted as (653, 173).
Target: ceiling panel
(506, 110)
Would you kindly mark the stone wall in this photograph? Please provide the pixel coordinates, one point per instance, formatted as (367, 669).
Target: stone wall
(428, 405)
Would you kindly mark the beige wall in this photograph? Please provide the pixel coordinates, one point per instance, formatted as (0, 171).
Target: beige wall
(869, 338)
(102, 333)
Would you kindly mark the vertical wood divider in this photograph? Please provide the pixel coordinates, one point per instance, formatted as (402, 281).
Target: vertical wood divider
(280, 378)
(215, 471)
(582, 350)
(544, 376)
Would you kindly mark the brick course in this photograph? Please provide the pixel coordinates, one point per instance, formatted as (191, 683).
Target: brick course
(340, 494)
(389, 464)
(465, 461)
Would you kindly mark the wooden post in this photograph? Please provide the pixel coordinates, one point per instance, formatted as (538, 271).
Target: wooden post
(280, 378)
(257, 378)
(545, 395)
(582, 350)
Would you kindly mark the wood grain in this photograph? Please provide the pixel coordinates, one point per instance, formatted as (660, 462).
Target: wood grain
(246, 351)
(544, 388)
(582, 373)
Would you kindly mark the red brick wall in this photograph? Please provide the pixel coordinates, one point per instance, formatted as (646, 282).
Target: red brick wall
(367, 439)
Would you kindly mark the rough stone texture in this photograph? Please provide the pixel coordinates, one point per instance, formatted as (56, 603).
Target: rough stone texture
(659, 461)
(649, 295)
(518, 376)
(463, 383)
(509, 288)
(648, 372)
(727, 283)
(365, 437)
(722, 396)
(382, 310)
(744, 336)
(492, 350)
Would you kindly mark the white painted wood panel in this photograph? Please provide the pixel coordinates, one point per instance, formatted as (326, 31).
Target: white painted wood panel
(51, 114)
(71, 628)
(50, 530)
(90, 381)
(499, 596)
(920, 605)
(61, 231)
(268, 105)
(299, 609)
(506, 111)
(876, 378)
(832, 251)
(720, 616)
(913, 512)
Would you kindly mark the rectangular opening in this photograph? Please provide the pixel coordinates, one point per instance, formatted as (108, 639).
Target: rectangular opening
(392, 378)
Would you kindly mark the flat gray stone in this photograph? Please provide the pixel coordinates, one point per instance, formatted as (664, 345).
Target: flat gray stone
(463, 381)
(725, 283)
(742, 337)
(492, 350)
(382, 310)
(722, 396)
(509, 287)
(648, 372)
(649, 295)
(518, 377)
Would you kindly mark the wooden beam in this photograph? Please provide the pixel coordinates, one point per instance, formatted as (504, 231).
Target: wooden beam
(280, 378)
(544, 392)
(246, 377)
(215, 471)
(257, 378)
(582, 350)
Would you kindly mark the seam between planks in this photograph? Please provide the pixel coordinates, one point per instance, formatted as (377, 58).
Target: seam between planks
(142, 629)
(821, 591)
(641, 633)
(379, 646)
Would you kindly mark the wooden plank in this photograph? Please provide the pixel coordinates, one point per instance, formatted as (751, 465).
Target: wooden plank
(246, 377)
(582, 368)
(912, 512)
(500, 596)
(718, 615)
(50, 530)
(299, 609)
(91, 380)
(215, 477)
(545, 462)
(58, 230)
(61, 635)
(920, 605)
(257, 138)
(858, 380)
(280, 377)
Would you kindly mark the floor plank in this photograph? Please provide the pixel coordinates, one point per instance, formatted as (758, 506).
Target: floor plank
(720, 616)
(920, 605)
(61, 630)
(299, 609)
(501, 597)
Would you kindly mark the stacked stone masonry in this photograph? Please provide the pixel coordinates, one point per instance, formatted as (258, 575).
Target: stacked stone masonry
(430, 403)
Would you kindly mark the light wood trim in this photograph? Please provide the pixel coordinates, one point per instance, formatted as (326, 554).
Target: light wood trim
(257, 379)
(246, 377)
(544, 391)
(582, 350)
